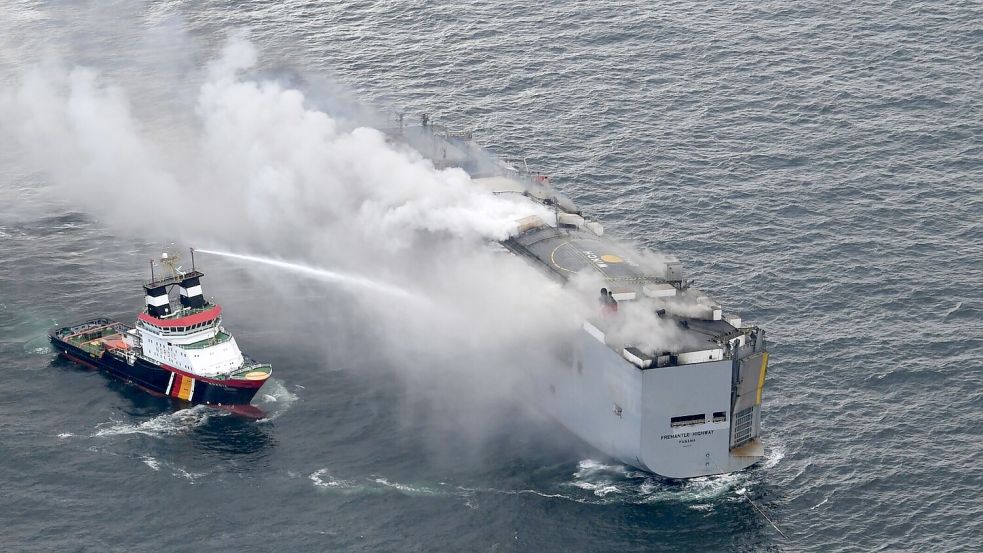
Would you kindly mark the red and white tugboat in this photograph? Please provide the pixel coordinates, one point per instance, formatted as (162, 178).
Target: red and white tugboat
(179, 350)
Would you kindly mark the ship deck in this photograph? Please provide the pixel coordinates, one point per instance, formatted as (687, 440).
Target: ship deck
(94, 336)
(577, 246)
(570, 251)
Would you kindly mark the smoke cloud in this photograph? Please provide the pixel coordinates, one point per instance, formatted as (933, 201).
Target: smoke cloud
(249, 165)
(254, 168)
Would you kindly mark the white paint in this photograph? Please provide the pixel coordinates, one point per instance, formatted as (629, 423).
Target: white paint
(570, 219)
(157, 301)
(594, 331)
(594, 258)
(209, 361)
(703, 356)
(659, 290)
(636, 360)
(191, 292)
(528, 223)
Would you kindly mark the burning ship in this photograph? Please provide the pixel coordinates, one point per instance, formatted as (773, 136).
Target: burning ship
(176, 349)
(680, 408)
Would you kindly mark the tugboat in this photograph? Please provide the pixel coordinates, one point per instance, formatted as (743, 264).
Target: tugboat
(178, 350)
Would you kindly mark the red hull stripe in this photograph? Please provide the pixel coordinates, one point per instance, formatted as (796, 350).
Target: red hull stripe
(204, 316)
(176, 386)
(224, 382)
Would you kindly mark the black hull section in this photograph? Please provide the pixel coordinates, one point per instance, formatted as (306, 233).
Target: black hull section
(159, 380)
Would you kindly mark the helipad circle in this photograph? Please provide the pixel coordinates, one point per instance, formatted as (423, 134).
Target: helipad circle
(608, 258)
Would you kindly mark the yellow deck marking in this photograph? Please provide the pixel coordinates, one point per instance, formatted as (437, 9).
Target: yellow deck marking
(609, 258)
(256, 375)
(761, 376)
(553, 259)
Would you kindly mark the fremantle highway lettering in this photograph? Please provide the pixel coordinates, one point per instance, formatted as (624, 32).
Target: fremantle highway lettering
(683, 435)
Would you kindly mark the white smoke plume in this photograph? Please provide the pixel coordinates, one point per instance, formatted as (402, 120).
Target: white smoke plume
(261, 153)
(247, 164)
(254, 168)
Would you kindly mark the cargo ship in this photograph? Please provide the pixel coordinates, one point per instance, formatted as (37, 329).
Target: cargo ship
(672, 384)
(178, 349)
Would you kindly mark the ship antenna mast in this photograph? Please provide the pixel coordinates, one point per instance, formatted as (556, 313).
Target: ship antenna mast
(192, 258)
(151, 269)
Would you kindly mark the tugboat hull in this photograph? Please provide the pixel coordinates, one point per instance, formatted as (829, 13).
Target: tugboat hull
(163, 380)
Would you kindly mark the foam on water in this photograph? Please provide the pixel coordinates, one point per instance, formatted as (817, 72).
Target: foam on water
(601, 484)
(322, 478)
(275, 400)
(166, 424)
(405, 488)
(325, 480)
(620, 483)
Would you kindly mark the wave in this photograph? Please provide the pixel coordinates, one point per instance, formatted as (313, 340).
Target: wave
(167, 424)
(175, 470)
(151, 462)
(322, 479)
(592, 482)
(274, 400)
(405, 488)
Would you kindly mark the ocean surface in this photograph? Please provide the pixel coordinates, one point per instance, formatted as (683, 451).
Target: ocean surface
(818, 167)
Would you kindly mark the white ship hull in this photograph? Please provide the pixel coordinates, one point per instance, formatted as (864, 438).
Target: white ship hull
(626, 412)
(693, 410)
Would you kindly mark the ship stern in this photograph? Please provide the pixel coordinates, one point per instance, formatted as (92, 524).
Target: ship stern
(703, 418)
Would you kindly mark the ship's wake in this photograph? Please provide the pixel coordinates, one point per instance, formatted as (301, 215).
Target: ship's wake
(167, 424)
(157, 465)
(623, 484)
(592, 483)
(274, 399)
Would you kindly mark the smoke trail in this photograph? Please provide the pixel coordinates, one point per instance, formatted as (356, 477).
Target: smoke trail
(316, 272)
(251, 163)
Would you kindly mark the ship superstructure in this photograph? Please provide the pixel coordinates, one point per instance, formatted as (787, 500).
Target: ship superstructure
(177, 348)
(678, 394)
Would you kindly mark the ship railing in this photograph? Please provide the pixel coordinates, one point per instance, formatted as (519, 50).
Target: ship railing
(517, 164)
(173, 279)
(233, 374)
(754, 345)
(250, 367)
(187, 311)
(219, 338)
(88, 334)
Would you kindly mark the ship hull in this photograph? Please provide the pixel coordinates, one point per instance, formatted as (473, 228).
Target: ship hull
(165, 381)
(626, 412)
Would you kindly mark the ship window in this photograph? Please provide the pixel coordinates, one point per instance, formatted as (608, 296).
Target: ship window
(687, 420)
(719, 416)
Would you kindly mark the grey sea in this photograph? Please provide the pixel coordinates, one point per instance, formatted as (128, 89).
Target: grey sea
(818, 167)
